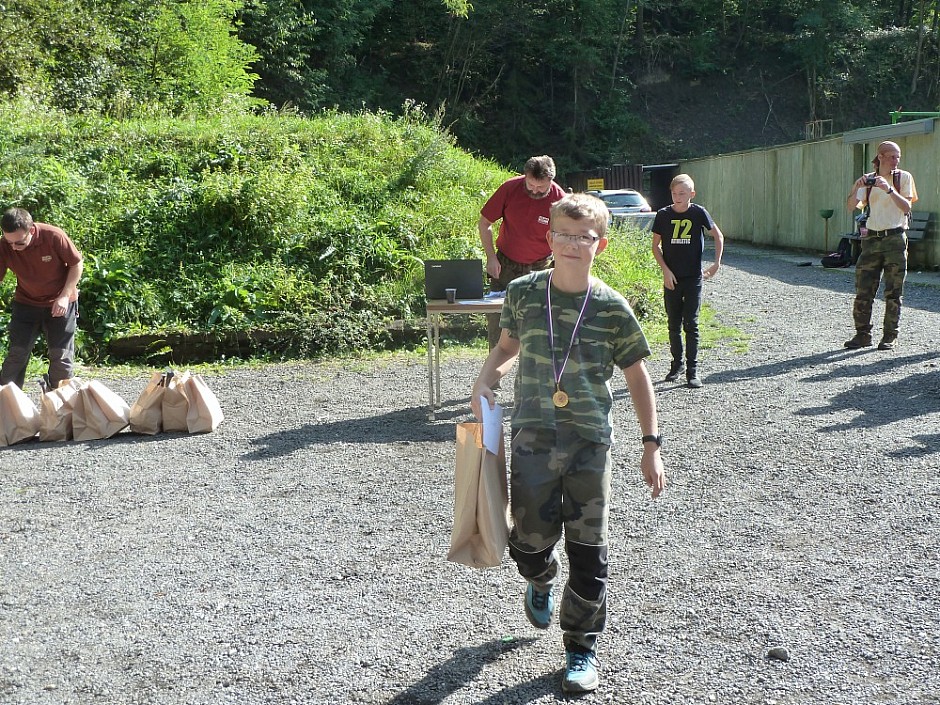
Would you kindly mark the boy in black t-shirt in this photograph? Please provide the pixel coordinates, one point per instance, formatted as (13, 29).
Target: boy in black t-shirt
(678, 242)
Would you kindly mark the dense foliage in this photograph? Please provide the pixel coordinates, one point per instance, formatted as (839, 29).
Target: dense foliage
(510, 79)
(241, 221)
(168, 137)
(313, 230)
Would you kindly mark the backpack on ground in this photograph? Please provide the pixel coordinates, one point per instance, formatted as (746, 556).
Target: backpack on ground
(842, 257)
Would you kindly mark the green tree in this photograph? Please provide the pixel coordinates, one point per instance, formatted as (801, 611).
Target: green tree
(120, 55)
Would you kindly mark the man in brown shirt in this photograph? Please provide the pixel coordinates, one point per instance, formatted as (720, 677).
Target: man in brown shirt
(47, 266)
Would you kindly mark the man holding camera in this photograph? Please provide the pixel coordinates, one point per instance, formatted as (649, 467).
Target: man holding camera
(887, 195)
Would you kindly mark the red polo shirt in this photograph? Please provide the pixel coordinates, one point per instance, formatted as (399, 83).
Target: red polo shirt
(41, 268)
(524, 220)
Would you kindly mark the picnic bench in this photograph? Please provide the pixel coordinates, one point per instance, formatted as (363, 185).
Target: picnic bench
(921, 225)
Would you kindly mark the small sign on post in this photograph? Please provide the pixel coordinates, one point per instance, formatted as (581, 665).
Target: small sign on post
(595, 184)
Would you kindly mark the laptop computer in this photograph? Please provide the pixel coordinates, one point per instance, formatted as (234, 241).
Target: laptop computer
(464, 275)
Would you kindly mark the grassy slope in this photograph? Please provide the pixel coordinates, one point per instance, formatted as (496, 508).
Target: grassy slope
(309, 225)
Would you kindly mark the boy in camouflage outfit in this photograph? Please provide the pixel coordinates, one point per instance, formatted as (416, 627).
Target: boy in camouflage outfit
(889, 193)
(568, 331)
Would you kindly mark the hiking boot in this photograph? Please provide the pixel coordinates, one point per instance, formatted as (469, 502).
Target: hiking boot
(887, 343)
(580, 671)
(677, 369)
(539, 606)
(693, 381)
(861, 340)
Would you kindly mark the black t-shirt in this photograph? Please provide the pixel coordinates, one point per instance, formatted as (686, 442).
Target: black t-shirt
(683, 238)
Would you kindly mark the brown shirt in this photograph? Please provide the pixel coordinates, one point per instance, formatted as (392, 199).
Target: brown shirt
(41, 268)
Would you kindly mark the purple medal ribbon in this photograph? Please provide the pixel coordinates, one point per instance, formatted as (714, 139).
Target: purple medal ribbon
(560, 398)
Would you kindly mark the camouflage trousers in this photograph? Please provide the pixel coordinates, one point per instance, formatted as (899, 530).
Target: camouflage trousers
(560, 481)
(880, 256)
(509, 270)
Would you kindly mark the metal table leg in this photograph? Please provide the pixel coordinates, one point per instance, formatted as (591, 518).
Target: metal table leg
(431, 328)
(437, 359)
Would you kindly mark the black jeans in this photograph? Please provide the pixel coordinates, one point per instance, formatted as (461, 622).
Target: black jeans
(682, 308)
(25, 323)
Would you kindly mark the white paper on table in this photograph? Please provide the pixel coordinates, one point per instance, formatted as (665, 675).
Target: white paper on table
(492, 426)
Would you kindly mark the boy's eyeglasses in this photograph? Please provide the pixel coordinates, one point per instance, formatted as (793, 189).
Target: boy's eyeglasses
(568, 239)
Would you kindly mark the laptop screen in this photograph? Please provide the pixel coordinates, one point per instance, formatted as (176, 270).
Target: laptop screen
(464, 275)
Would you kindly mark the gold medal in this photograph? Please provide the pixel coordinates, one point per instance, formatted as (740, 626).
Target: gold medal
(560, 399)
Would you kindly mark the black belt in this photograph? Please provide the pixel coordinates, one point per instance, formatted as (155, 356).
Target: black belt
(885, 233)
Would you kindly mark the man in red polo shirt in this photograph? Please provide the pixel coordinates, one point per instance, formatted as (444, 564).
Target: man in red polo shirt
(522, 204)
(47, 267)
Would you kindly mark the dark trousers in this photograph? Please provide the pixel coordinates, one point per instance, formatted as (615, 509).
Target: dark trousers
(683, 304)
(25, 324)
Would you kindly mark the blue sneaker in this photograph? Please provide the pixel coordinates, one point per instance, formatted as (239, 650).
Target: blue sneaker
(580, 671)
(539, 606)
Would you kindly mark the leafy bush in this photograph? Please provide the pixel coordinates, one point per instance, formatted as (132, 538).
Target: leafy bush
(313, 230)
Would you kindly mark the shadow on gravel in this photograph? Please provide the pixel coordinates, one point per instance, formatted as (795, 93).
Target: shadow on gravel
(929, 443)
(120, 438)
(913, 396)
(403, 425)
(837, 280)
(802, 364)
(461, 668)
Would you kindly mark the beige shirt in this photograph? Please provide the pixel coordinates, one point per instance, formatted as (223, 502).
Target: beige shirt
(885, 213)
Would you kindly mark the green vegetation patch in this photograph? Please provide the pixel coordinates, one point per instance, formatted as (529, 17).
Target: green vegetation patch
(310, 230)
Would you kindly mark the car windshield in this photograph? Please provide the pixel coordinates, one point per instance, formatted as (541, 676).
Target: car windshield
(621, 200)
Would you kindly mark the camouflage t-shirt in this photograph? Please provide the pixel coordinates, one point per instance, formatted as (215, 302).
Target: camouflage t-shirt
(609, 336)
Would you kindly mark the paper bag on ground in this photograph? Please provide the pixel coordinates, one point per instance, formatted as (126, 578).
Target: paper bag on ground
(147, 412)
(481, 501)
(97, 412)
(19, 417)
(205, 413)
(175, 405)
(55, 411)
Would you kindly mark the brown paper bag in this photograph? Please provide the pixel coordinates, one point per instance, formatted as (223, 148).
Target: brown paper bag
(205, 413)
(19, 417)
(481, 501)
(97, 412)
(175, 405)
(147, 412)
(55, 411)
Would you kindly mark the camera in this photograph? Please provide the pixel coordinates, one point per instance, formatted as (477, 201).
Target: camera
(870, 180)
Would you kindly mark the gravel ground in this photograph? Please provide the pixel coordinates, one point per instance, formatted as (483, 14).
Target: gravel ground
(296, 555)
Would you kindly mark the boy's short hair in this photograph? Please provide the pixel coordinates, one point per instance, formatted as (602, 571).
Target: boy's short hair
(583, 206)
(540, 167)
(15, 219)
(682, 180)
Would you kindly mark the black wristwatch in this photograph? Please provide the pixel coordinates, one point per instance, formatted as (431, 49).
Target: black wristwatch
(657, 439)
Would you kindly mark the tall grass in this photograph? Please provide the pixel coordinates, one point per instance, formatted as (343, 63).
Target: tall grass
(313, 228)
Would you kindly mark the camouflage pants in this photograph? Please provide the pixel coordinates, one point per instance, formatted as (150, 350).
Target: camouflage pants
(509, 270)
(887, 255)
(560, 481)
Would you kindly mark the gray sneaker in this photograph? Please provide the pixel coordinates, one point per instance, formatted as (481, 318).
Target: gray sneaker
(674, 371)
(580, 671)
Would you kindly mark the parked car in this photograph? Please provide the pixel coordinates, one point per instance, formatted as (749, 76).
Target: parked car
(624, 201)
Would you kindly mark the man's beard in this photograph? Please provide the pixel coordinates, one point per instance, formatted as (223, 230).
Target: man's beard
(533, 194)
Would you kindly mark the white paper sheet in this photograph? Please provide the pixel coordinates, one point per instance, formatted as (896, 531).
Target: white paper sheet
(492, 426)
